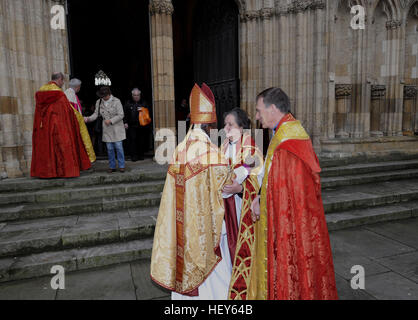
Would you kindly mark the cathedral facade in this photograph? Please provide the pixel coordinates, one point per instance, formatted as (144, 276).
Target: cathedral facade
(349, 66)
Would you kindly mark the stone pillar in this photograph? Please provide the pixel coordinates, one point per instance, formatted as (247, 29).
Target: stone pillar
(250, 66)
(319, 79)
(343, 94)
(409, 122)
(266, 17)
(30, 50)
(162, 65)
(378, 94)
(393, 115)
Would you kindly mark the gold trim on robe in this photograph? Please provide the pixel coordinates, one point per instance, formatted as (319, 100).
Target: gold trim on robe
(248, 154)
(50, 86)
(85, 136)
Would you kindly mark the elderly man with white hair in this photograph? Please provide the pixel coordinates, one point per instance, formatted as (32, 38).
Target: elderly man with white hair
(137, 134)
(71, 93)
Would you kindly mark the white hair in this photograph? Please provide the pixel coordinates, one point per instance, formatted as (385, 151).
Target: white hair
(136, 90)
(74, 83)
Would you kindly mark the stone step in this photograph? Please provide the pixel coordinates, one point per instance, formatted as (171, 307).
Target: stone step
(70, 193)
(76, 207)
(374, 177)
(369, 195)
(64, 194)
(333, 159)
(35, 236)
(43, 235)
(40, 264)
(364, 168)
(335, 199)
(100, 191)
(360, 217)
(155, 173)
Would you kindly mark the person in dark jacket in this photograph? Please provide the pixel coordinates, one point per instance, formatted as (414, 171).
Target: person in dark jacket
(136, 133)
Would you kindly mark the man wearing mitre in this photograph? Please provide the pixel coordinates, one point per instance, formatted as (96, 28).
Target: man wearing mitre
(190, 254)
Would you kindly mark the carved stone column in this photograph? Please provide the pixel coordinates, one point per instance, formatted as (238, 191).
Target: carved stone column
(377, 109)
(162, 64)
(409, 122)
(250, 62)
(343, 94)
(30, 51)
(266, 17)
(393, 114)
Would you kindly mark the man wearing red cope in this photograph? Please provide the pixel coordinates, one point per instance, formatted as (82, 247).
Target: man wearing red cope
(293, 252)
(57, 147)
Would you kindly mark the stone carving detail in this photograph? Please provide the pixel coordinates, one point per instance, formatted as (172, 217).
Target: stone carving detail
(303, 5)
(343, 90)
(292, 8)
(410, 92)
(378, 92)
(266, 13)
(161, 7)
(250, 15)
(393, 24)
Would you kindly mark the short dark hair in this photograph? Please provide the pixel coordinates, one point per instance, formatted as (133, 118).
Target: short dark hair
(277, 97)
(104, 92)
(241, 118)
(57, 76)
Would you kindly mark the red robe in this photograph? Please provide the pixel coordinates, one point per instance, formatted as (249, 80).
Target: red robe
(57, 147)
(299, 257)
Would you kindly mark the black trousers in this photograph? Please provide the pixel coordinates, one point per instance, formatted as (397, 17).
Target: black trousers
(136, 141)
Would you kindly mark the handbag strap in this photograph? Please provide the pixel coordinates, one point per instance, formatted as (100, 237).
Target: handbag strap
(98, 113)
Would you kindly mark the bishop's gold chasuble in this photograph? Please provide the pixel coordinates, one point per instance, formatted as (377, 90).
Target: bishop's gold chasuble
(187, 235)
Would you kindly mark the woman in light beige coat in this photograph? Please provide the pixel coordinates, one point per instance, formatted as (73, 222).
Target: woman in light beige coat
(111, 110)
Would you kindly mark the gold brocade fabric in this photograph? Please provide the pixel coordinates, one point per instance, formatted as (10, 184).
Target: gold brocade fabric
(289, 129)
(51, 86)
(85, 136)
(190, 217)
(246, 153)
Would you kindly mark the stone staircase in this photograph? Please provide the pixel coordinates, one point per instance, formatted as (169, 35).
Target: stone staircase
(100, 219)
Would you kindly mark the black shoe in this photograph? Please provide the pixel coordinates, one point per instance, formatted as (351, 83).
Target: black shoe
(134, 159)
(111, 170)
(141, 158)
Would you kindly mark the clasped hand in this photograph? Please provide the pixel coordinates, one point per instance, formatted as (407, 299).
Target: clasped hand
(255, 209)
(233, 188)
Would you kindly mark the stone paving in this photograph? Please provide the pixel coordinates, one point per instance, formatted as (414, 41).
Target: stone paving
(387, 251)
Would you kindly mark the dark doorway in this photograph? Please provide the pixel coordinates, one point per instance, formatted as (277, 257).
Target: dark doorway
(206, 50)
(112, 36)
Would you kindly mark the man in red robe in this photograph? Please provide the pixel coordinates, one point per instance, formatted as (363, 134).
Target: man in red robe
(293, 252)
(57, 147)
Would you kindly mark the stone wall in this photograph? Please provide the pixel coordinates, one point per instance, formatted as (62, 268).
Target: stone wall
(29, 52)
(344, 83)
